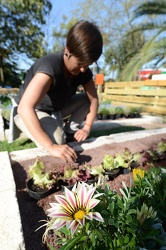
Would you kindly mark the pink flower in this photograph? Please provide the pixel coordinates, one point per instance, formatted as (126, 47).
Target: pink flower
(73, 207)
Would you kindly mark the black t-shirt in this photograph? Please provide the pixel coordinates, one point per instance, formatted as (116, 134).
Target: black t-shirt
(61, 90)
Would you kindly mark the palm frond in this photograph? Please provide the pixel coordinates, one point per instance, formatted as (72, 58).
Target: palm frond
(154, 48)
(151, 8)
(151, 50)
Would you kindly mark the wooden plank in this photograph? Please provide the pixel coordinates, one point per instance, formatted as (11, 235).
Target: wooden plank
(158, 110)
(122, 84)
(135, 84)
(150, 95)
(155, 83)
(150, 109)
(139, 99)
(143, 92)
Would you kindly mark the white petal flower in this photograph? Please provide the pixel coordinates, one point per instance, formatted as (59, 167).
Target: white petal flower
(73, 207)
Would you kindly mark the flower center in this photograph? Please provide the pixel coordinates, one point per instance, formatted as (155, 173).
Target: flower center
(79, 215)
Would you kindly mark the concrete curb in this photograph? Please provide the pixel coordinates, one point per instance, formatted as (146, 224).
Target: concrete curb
(120, 137)
(11, 235)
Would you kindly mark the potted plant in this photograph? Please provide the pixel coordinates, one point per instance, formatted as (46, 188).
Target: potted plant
(119, 112)
(105, 113)
(135, 112)
(73, 175)
(126, 111)
(161, 149)
(40, 183)
(112, 112)
(154, 155)
(95, 171)
(110, 166)
(132, 112)
(128, 160)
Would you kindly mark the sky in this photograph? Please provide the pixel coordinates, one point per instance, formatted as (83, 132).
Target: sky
(62, 7)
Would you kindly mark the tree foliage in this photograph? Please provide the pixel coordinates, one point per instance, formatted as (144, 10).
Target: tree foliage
(155, 47)
(21, 28)
(121, 44)
(21, 23)
(119, 55)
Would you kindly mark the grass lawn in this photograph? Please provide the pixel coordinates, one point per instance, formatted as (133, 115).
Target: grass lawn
(16, 145)
(120, 129)
(26, 143)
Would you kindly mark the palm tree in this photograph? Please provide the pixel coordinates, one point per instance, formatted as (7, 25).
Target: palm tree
(155, 47)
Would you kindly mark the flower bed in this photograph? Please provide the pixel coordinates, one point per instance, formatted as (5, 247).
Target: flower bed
(32, 211)
(134, 219)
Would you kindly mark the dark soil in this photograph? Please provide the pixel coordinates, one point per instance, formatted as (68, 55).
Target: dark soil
(33, 211)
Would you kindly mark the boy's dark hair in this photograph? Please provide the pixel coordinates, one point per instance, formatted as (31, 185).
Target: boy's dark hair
(84, 41)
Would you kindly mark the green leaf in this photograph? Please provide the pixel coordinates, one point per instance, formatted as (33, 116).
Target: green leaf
(71, 243)
(127, 155)
(65, 230)
(136, 157)
(108, 162)
(119, 161)
(126, 239)
(124, 194)
(99, 235)
(93, 238)
(111, 207)
(129, 218)
(87, 225)
(132, 243)
(96, 170)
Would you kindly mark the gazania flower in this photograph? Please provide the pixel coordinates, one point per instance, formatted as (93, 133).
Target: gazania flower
(73, 207)
(138, 172)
